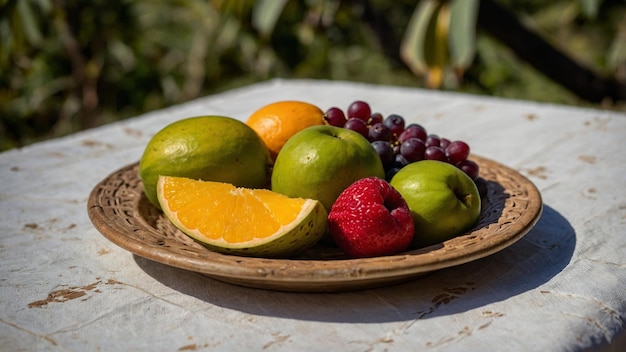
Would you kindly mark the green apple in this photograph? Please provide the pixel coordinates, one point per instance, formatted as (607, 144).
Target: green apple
(443, 200)
(319, 162)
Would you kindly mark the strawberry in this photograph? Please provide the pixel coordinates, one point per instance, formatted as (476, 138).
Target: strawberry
(370, 218)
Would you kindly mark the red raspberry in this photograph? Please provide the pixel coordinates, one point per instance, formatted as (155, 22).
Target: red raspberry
(370, 218)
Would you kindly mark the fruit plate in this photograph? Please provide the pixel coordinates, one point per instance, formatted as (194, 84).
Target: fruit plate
(118, 208)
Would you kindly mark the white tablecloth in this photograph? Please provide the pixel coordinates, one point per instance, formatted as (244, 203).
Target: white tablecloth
(65, 287)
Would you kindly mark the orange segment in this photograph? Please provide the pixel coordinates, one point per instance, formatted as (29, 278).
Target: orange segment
(240, 220)
(275, 123)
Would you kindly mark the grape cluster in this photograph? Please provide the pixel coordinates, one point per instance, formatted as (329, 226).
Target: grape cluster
(398, 144)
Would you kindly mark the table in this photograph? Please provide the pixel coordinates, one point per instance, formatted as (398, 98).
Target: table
(65, 287)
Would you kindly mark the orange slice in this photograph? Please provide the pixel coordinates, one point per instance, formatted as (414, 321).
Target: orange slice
(243, 221)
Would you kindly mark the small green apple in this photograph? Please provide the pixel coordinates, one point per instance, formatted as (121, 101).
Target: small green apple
(319, 162)
(443, 200)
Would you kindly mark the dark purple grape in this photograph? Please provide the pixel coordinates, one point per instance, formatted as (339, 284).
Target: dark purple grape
(359, 109)
(469, 167)
(390, 173)
(457, 151)
(400, 161)
(435, 153)
(412, 131)
(413, 149)
(335, 117)
(395, 124)
(358, 125)
(375, 118)
(379, 132)
(444, 143)
(385, 151)
(433, 140)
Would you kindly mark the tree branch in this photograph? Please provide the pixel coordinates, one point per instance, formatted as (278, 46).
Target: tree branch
(556, 65)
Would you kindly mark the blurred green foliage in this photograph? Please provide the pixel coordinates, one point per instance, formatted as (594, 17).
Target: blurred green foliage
(67, 65)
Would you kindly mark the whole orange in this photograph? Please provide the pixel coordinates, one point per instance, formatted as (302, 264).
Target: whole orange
(275, 123)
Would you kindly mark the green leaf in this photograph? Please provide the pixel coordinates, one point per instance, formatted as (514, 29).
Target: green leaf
(237, 8)
(436, 37)
(463, 16)
(229, 30)
(412, 45)
(123, 54)
(265, 14)
(590, 8)
(44, 5)
(29, 22)
(616, 55)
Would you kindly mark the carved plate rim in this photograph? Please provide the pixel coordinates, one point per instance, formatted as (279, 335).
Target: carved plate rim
(118, 209)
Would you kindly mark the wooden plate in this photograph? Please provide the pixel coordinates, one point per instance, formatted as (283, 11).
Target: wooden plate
(119, 210)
